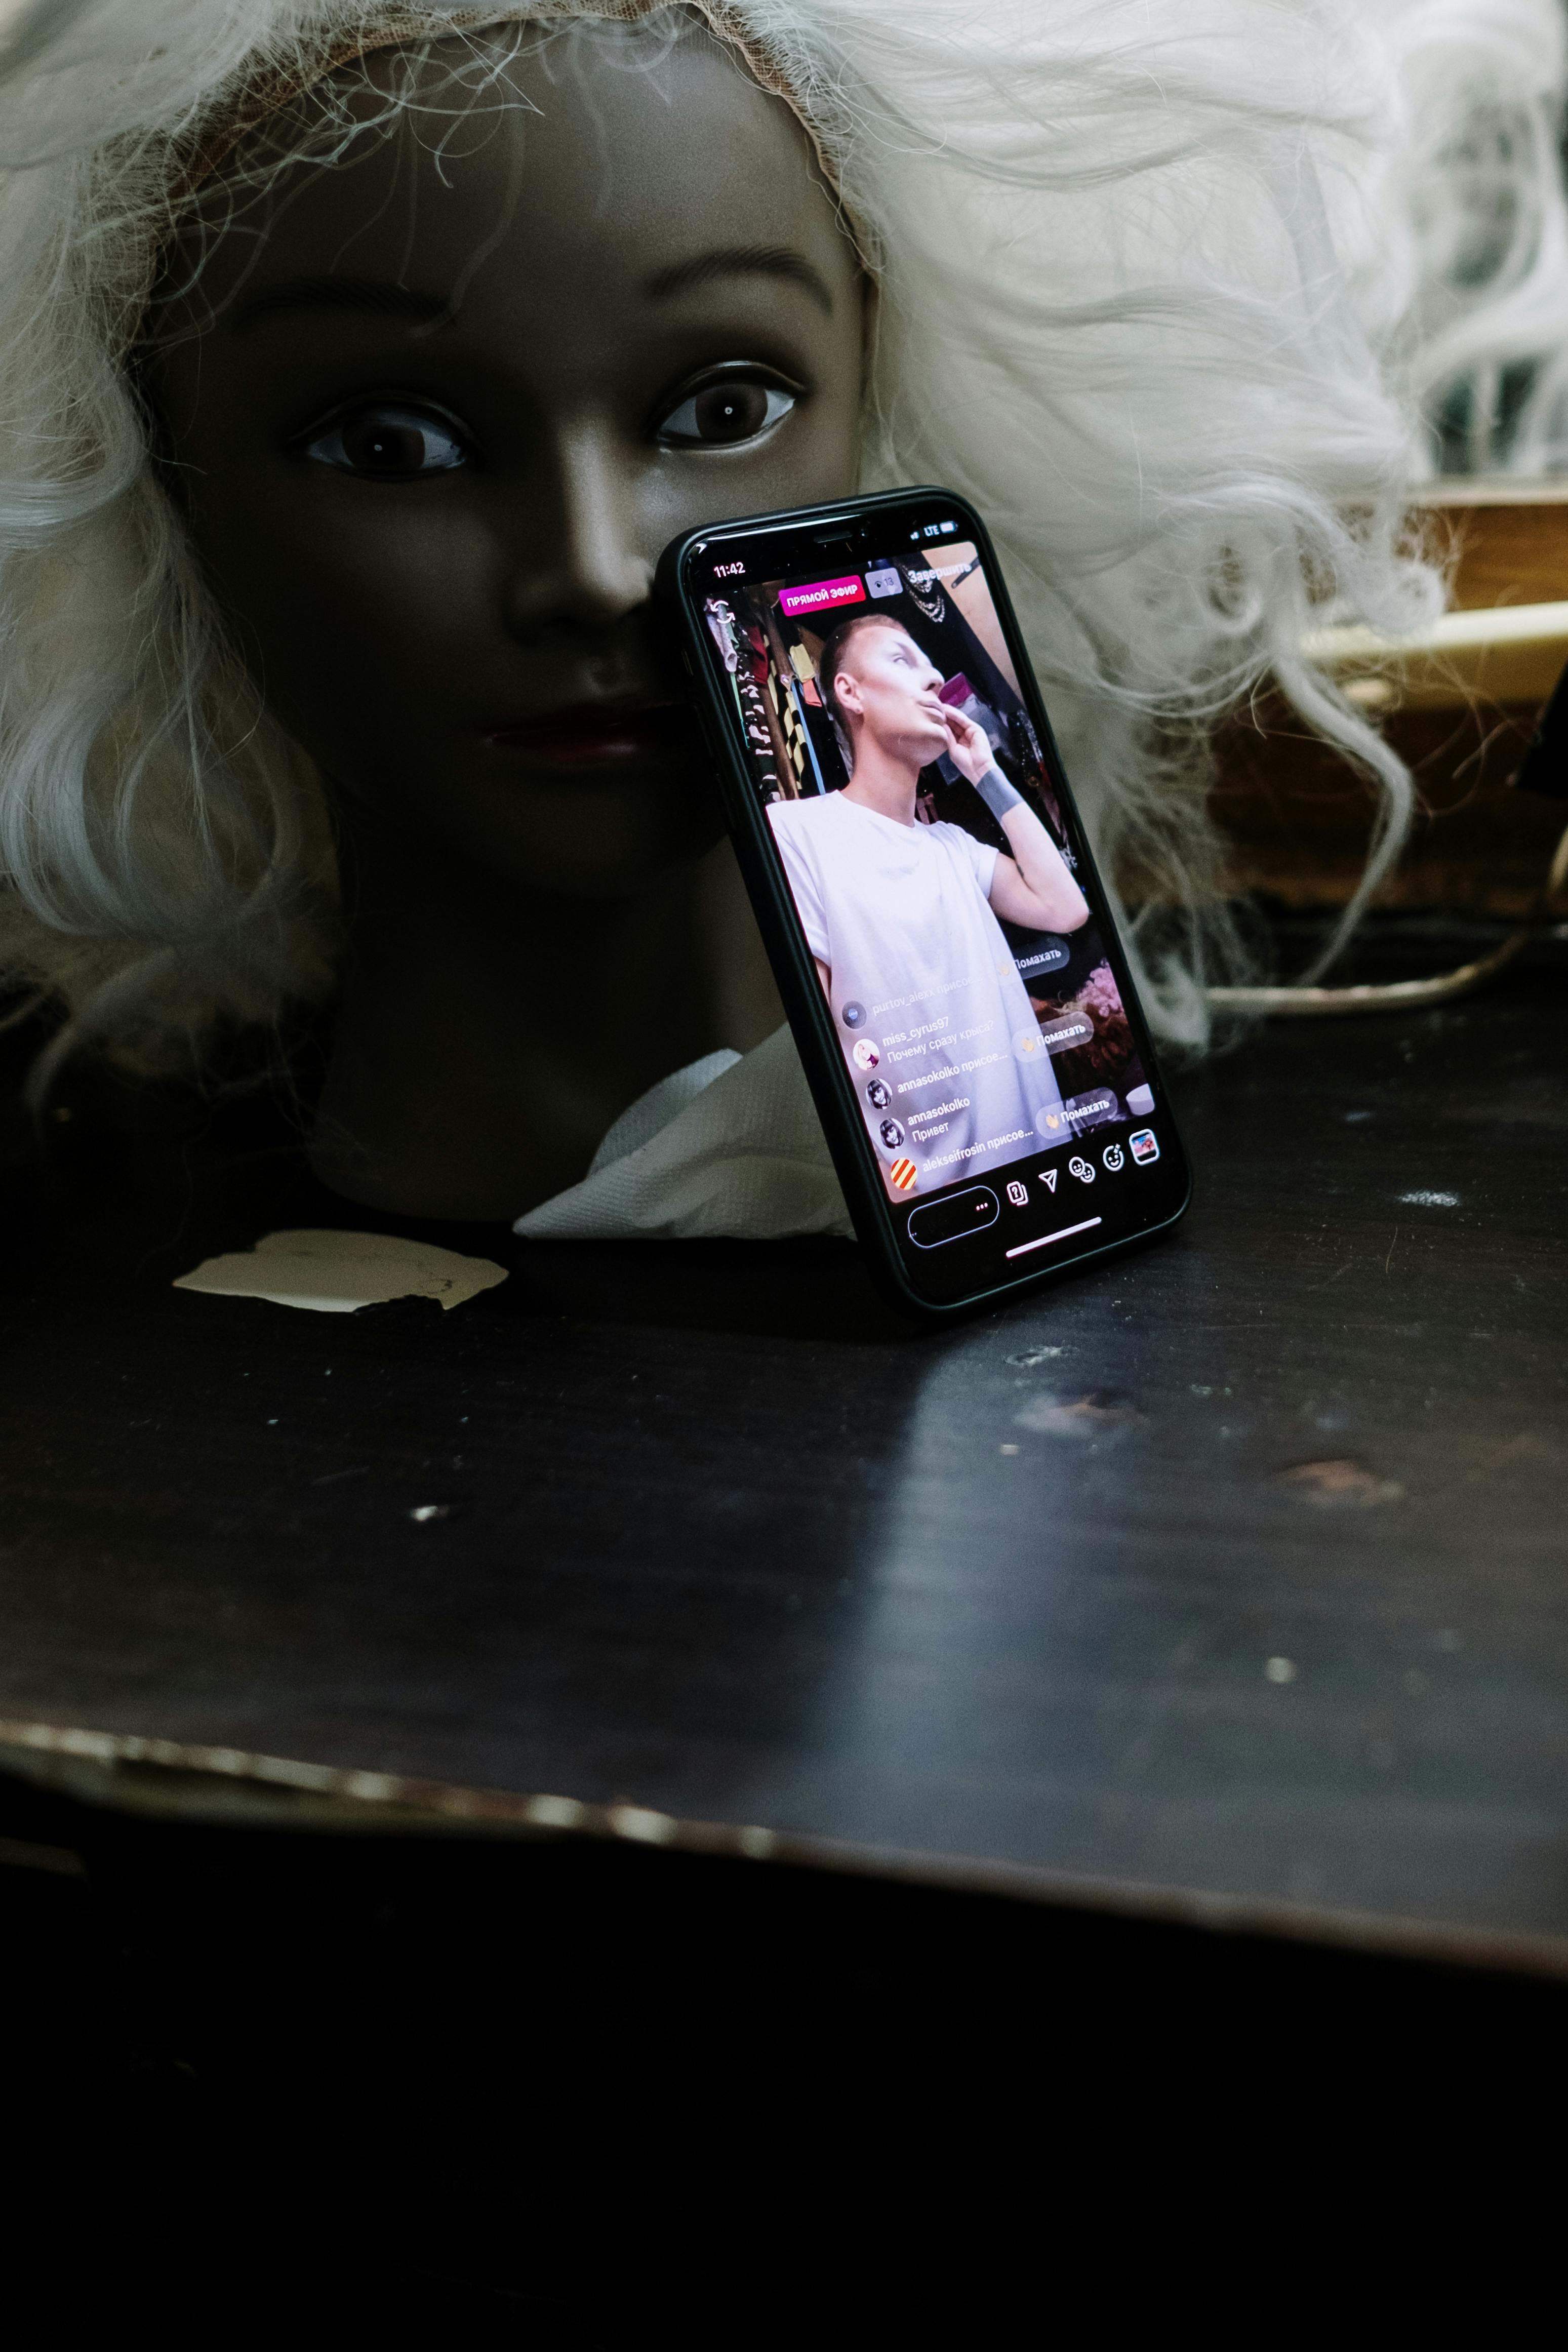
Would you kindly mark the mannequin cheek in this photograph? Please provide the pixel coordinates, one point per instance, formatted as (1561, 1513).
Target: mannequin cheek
(583, 837)
(823, 463)
(353, 639)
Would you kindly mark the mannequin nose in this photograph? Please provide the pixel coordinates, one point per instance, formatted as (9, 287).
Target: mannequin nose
(586, 562)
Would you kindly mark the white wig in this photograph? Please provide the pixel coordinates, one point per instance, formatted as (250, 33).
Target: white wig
(1479, 222)
(1116, 243)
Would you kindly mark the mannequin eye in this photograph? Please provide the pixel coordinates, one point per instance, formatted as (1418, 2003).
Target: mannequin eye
(731, 409)
(387, 442)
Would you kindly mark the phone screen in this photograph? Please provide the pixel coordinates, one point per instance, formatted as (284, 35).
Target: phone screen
(942, 889)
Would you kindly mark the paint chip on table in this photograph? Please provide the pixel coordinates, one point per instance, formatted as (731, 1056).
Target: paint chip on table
(1335, 1485)
(1086, 1416)
(337, 1272)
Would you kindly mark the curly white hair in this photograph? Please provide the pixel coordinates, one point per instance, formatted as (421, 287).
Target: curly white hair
(1144, 224)
(1478, 214)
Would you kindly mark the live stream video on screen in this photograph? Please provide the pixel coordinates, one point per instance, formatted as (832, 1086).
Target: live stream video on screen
(970, 988)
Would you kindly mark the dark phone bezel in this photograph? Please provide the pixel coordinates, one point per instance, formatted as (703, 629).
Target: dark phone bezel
(859, 1171)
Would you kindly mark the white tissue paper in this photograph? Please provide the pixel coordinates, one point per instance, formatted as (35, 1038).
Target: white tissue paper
(729, 1148)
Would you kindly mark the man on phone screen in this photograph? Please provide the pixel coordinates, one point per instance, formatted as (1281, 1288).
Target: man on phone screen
(901, 916)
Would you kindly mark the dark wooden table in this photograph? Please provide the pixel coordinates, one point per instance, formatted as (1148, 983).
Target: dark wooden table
(1226, 1583)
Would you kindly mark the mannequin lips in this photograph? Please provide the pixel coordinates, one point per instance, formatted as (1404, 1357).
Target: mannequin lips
(595, 734)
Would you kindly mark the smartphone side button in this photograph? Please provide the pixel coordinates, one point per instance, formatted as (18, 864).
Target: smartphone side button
(969, 1212)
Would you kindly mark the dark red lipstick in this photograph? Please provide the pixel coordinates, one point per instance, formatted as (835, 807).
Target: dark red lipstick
(595, 734)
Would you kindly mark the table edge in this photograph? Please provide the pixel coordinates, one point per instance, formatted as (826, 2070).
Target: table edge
(134, 1773)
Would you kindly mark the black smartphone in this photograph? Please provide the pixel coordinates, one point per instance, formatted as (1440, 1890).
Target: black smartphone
(941, 941)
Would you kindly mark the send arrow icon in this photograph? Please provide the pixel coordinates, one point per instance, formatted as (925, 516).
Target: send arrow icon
(1050, 1176)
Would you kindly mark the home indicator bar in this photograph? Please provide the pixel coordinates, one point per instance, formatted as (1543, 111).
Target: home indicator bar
(1065, 1234)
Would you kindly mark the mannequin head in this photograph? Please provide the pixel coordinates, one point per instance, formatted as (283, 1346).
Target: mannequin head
(431, 414)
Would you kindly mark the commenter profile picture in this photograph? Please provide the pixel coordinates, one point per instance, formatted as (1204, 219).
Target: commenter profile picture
(891, 1134)
(867, 1052)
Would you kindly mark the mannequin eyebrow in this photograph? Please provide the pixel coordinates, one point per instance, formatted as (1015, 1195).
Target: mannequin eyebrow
(363, 294)
(741, 261)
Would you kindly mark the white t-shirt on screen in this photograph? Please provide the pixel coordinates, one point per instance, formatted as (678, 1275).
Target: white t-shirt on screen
(901, 916)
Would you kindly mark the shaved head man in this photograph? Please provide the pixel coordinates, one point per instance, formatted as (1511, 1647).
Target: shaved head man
(902, 916)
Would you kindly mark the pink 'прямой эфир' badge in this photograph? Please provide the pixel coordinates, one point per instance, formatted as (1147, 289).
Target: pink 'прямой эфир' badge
(822, 595)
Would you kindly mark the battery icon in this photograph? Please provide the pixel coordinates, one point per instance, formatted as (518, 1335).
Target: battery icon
(947, 527)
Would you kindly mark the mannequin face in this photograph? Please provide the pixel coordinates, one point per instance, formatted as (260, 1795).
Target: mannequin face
(430, 496)
(887, 689)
